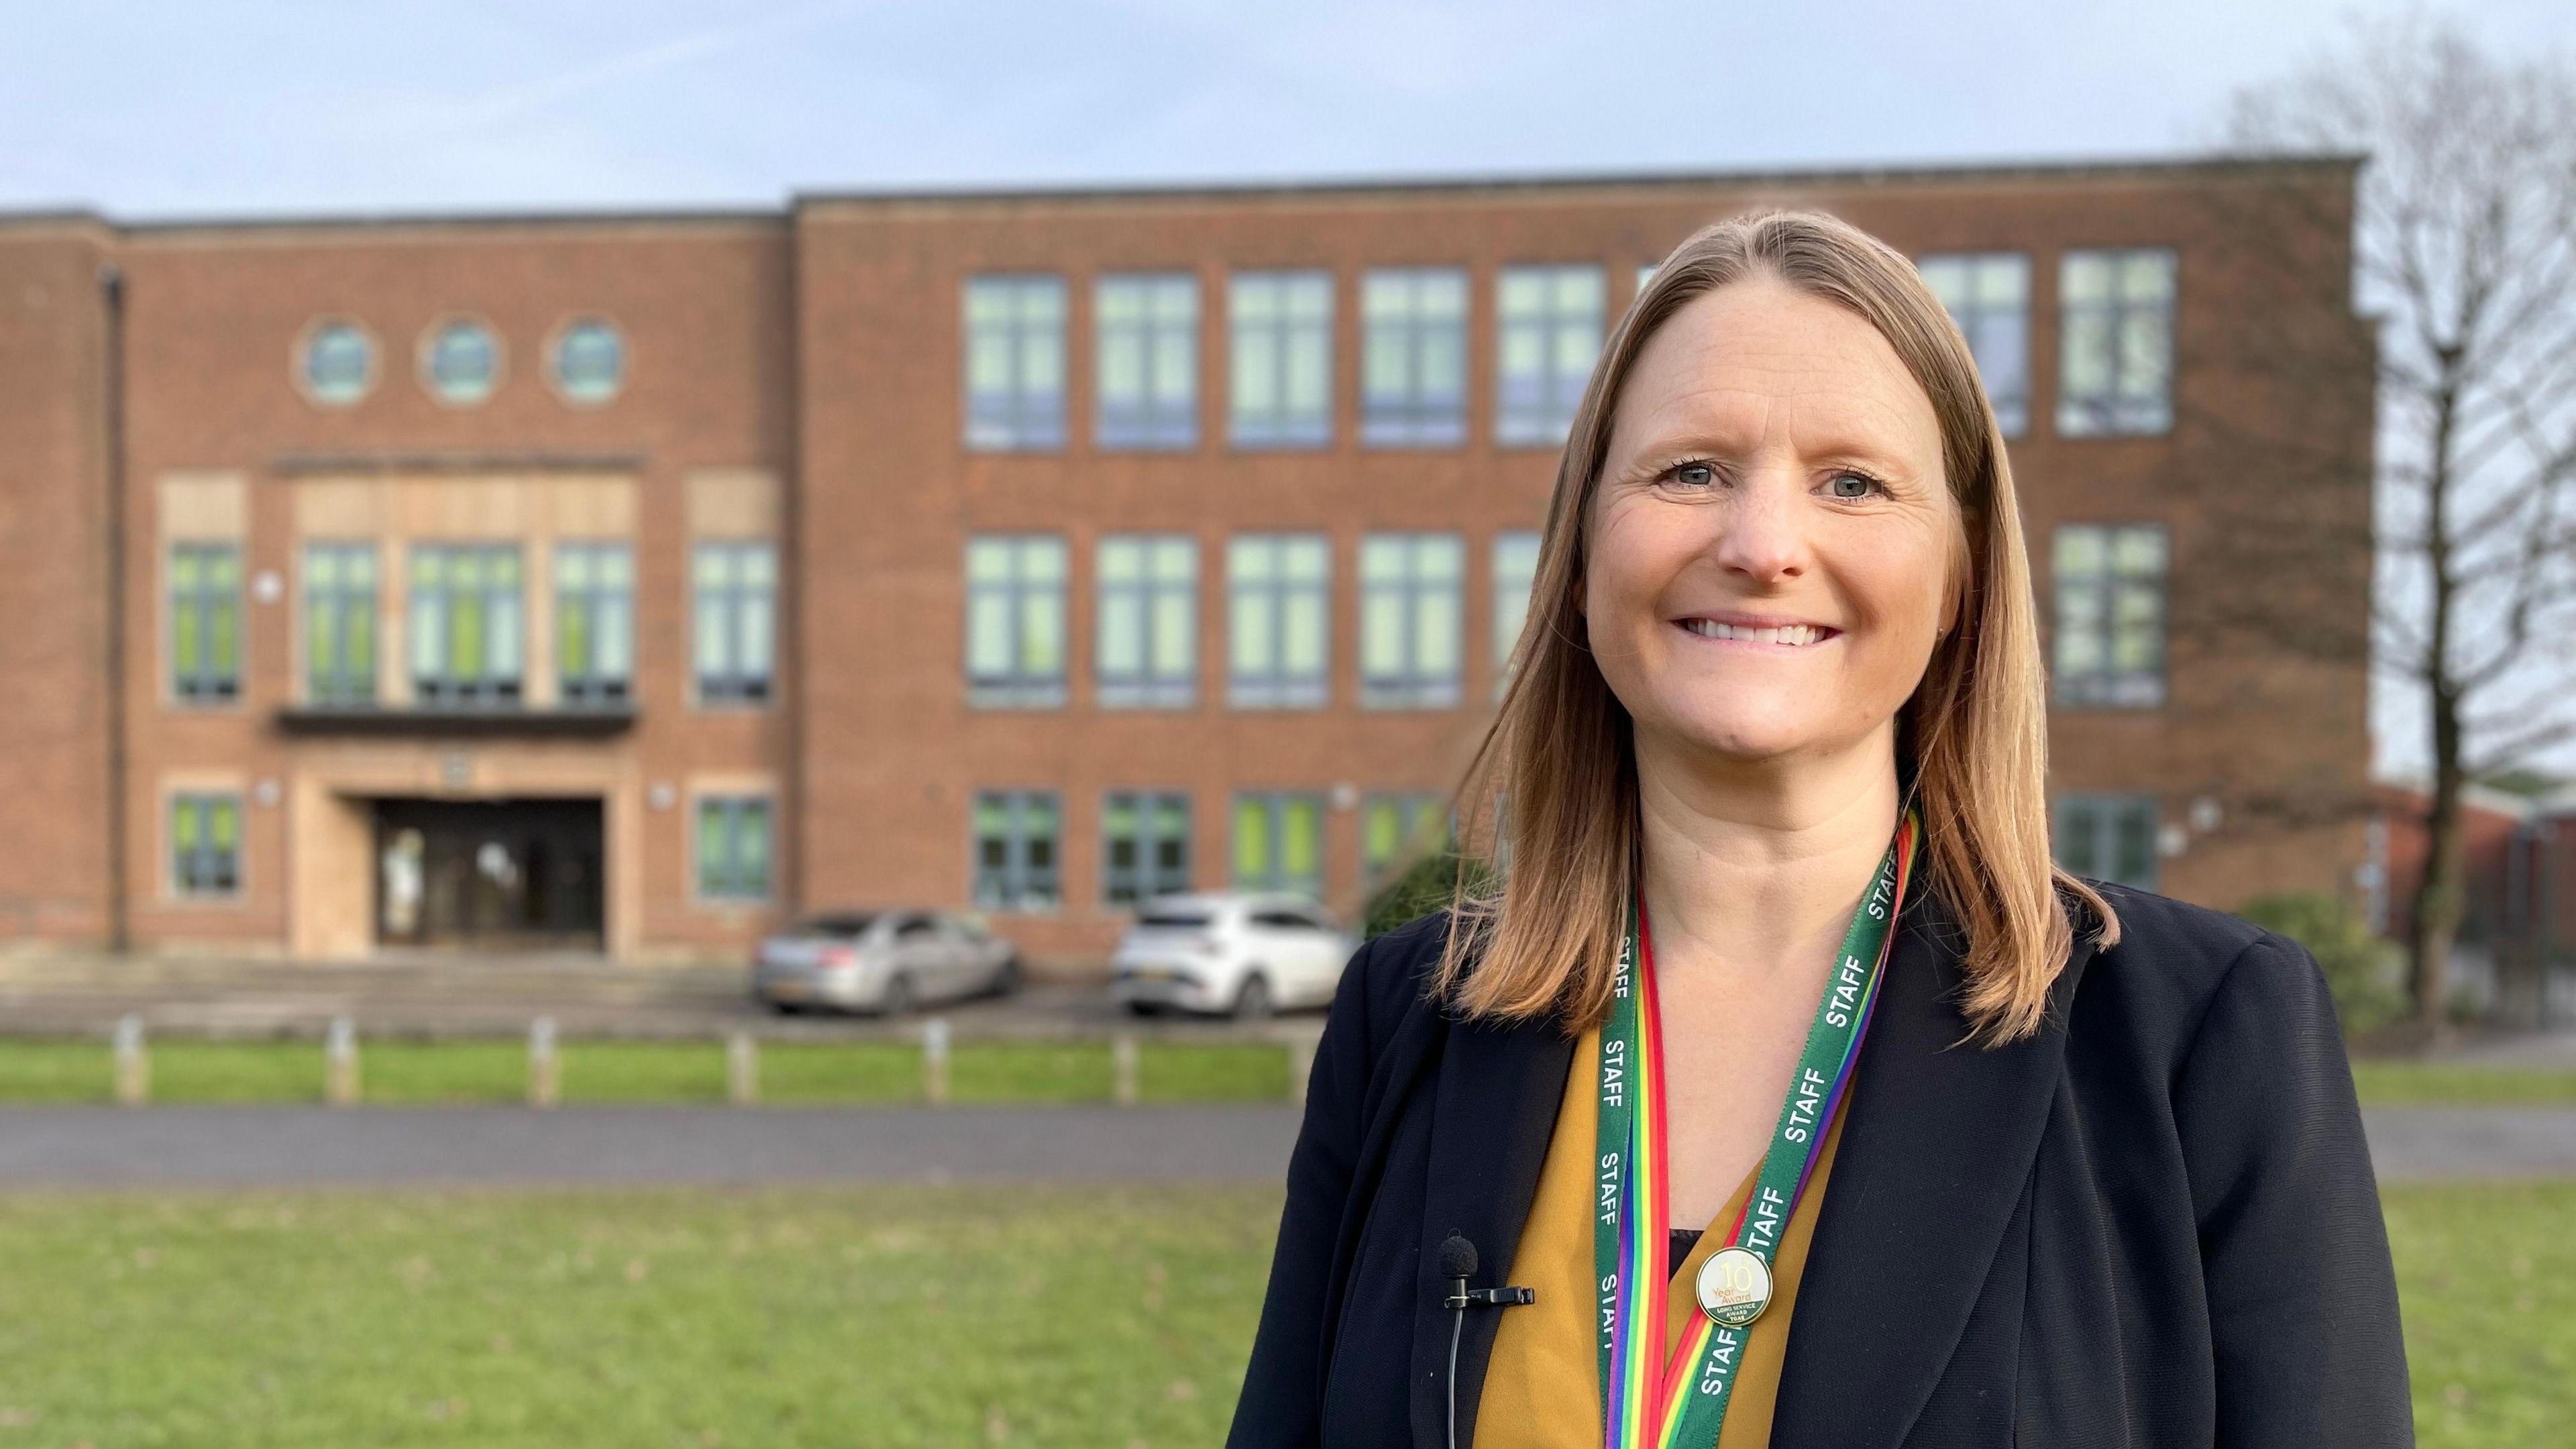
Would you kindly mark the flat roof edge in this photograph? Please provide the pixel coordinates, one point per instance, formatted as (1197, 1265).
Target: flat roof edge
(2149, 167)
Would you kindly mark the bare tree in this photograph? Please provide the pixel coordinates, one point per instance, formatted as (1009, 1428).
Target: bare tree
(2464, 252)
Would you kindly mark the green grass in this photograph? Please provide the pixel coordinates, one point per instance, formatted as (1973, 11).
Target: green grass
(791, 1073)
(821, 1317)
(781, 1318)
(2486, 1276)
(2442, 1084)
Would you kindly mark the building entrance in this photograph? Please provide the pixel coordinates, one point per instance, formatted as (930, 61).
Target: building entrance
(489, 874)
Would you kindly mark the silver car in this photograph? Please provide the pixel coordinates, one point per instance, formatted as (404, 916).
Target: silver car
(882, 961)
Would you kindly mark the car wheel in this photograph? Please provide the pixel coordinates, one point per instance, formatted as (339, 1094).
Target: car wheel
(1144, 1008)
(1007, 980)
(898, 997)
(784, 1008)
(1252, 999)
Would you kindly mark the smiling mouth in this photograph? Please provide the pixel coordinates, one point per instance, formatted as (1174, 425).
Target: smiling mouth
(1784, 636)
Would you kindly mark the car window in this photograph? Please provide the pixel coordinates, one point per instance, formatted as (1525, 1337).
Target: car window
(1283, 920)
(912, 927)
(1175, 920)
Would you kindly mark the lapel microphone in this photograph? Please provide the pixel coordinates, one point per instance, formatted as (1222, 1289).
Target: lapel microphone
(1458, 1264)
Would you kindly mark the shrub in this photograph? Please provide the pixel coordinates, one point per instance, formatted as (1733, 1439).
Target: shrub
(2362, 970)
(1424, 887)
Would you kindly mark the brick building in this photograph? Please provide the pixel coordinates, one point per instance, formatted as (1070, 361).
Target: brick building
(640, 580)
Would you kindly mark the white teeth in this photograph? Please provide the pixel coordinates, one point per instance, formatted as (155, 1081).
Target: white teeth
(1793, 635)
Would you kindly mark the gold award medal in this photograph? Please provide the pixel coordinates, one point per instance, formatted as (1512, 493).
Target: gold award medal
(1734, 1287)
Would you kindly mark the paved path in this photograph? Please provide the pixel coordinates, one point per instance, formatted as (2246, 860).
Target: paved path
(305, 1146)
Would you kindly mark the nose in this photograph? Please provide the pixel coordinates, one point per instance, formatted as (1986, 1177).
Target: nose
(1762, 540)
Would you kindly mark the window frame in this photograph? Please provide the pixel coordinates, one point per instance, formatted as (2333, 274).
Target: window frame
(1150, 422)
(337, 600)
(1286, 339)
(1276, 805)
(583, 396)
(1145, 600)
(2109, 687)
(2113, 809)
(492, 689)
(183, 879)
(1413, 688)
(1409, 416)
(1550, 415)
(1022, 418)
(2108, 415)
(1974, 315)
(425, 359)
(1020, 688)
(1509, 602)
(300, 362)
(730, 606)
(1279, 593)
(1018, 871)
(1414, 813)
(584, 602)
(731, 807)
(1148, 877)
(206, 685)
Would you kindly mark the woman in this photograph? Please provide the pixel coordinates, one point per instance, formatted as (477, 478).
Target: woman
(1782, 959)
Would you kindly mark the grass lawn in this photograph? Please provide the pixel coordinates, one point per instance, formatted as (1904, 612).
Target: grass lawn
(810, 1073)
(836, 1316)
(2443, 1084)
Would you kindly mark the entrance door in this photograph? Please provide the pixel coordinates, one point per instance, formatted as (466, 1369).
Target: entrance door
(497, 874)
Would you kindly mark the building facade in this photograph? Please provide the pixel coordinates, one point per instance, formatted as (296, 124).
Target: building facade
(636, 583)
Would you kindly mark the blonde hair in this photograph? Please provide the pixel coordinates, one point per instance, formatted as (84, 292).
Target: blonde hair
(1972, 742)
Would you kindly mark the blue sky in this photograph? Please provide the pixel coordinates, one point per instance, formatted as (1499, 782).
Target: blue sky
(261, 107)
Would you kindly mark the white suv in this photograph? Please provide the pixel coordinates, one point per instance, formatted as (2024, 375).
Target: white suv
(1242, 955)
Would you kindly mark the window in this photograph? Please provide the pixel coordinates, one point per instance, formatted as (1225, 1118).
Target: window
(1282, 377)
(465, 623)
(1148, 627)
(461, 362)
(2116, 368)
(205, 621)
(340, 623)
(1145, 846)
(736, 586)
(1646, 273)
(339, 364)
(2110, 645)
(1551, 334)
(589, 363)
(594, 621)
(1409, 619)
(1413, 375)
(1394, 829)
(1015, 620)
(1015, 850)
(1148, 326)
(1515, 573)
(1014, 363)
(1278, 620)
(205, 844)
(2108, 837)
(733, 847)
(1988, 294)
(1279, 843)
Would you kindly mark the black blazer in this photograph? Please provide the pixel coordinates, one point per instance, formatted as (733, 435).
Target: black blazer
(2152, 1224)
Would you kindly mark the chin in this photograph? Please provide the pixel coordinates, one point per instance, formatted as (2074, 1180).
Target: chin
(1748, 741)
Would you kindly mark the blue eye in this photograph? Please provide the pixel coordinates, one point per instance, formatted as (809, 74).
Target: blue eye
(1695, 475)
(1866, 484)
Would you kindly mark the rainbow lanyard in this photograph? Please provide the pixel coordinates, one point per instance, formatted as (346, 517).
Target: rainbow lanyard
(1648, 1401)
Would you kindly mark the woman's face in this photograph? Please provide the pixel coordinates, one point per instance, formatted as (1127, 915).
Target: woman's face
(1771, 540)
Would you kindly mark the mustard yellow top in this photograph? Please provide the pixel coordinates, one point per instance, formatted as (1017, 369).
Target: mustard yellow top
(1542, 1386)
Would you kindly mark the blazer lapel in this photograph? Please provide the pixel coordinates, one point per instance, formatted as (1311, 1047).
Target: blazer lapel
(1933, 1158)
(1492, 1117)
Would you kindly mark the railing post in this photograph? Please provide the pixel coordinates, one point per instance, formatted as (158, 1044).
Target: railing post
(544, 1081)
(133, 1066)
(1301, 1063)
(934, 1060)
(742, 1070)
(1123, 1069)
(340, 1063)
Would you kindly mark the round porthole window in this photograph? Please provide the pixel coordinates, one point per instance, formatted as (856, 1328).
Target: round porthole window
(589, 362)
(461, 362)
(339, 363)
